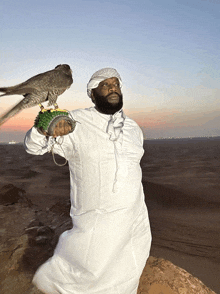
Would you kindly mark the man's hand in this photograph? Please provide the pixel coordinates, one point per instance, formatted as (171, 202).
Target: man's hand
(60, 127)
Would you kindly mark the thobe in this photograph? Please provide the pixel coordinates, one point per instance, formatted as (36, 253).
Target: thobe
(107, 248)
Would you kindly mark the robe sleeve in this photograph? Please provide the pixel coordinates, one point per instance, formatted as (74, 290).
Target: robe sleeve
(141, 136)
(37, 144)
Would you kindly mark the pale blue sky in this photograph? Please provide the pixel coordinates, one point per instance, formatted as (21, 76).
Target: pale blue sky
(167, 53)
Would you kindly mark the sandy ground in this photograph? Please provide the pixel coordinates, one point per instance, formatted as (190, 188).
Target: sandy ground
(185, 229)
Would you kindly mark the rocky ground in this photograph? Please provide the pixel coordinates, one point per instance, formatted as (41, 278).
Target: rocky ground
(29, 235)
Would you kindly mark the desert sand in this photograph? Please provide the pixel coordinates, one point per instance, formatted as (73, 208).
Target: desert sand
(184, 220)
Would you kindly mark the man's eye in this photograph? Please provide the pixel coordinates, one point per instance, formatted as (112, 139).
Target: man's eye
(106, 85)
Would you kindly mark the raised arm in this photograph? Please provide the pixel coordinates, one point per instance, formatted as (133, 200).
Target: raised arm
(37, 142)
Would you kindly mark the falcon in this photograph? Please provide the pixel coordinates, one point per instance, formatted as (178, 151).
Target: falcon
(43, 87)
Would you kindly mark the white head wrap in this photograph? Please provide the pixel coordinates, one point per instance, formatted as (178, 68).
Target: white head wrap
(100, 76)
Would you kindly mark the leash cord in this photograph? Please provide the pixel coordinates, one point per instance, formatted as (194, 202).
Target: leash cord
(53, 154)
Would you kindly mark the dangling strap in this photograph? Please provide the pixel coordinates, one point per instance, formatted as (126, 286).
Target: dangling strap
(114, 190)
(114, 129)
(53, 154)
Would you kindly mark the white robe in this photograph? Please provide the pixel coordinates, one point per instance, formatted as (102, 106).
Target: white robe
(107, 248)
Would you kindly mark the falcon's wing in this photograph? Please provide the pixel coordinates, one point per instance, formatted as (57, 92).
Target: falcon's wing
(45, 82)
(50, 80)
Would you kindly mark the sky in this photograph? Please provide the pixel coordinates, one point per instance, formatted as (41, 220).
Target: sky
(167, 53)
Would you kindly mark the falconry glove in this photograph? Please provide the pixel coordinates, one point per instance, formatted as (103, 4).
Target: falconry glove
(54, 122)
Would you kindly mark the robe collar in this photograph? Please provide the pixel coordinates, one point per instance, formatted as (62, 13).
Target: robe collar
(115, 123)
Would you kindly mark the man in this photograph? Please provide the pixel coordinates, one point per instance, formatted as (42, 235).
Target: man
(107, 248)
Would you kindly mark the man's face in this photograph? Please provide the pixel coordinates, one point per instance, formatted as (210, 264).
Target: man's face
(107, 96)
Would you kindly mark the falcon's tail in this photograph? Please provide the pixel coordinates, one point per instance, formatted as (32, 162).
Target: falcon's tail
(20, 89)
(3, 90)
(12, 112)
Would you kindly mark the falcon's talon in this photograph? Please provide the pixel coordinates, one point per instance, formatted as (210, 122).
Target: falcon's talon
(58, 109)
(41, 107)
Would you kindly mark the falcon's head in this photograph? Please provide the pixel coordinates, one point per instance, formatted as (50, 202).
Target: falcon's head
(64, 67)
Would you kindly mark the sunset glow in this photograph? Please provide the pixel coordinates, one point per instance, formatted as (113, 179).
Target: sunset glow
(166, 52)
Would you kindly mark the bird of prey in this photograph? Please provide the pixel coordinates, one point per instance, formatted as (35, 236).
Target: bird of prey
(43, 87)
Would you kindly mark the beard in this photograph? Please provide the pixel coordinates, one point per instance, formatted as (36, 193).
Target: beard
(103, 105)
